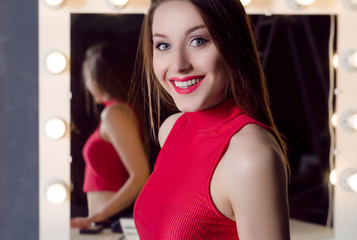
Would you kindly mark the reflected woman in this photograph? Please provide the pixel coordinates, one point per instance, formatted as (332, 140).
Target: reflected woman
(116, 161)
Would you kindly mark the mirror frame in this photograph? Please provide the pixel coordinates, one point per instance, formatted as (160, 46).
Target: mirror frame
(55, 95)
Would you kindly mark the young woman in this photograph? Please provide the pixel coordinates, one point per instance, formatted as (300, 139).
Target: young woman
(116, 162)
(222, 171)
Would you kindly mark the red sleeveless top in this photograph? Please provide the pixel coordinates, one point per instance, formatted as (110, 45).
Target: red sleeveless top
(175, 202)
(104, 170)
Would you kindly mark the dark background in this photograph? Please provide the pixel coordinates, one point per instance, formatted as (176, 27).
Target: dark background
(295, 58)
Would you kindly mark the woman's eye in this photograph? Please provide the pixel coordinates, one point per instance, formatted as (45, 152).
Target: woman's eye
(162, 46)
(198, 42)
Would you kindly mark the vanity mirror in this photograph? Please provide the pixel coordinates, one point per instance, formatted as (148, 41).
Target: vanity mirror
(55, 96)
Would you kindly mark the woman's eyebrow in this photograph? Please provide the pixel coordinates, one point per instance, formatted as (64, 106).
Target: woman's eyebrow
(192, 29)
(159, 35)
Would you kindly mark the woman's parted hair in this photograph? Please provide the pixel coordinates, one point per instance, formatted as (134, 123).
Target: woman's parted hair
(110, 67)
(231, 31)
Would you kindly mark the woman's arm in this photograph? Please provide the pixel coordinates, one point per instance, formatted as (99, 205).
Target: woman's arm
(253, 184)
(119, 126)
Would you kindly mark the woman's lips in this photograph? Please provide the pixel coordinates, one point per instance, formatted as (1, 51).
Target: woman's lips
(187, 84)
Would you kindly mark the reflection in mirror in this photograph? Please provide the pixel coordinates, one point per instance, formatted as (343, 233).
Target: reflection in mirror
(295, 52)
(88, 30)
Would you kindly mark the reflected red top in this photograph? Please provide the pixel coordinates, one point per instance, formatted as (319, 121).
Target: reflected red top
(175, 203)
(104, 169)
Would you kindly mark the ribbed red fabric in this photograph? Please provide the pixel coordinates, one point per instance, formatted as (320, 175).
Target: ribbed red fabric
(175, 203)
(104, 169)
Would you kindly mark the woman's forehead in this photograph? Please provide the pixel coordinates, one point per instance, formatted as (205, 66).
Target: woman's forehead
(175, 15)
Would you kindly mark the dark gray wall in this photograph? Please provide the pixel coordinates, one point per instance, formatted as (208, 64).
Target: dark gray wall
(19, 119)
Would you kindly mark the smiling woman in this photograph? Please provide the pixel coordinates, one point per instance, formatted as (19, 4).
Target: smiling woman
(222, 169)
(174, 52)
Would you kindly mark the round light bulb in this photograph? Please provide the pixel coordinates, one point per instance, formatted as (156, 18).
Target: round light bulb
(245, 2)
(299, 4)
(333, 177)
(350, 4)
(56, 62)
(352, 121)
(335, 61)
(349, 180)
(55, 128)
(348, 120)
(349, 60)
(119, 3)
(305, 2)
(54, 3)
(56, 193)
(334, 120)
(352, 182)
(353, 59)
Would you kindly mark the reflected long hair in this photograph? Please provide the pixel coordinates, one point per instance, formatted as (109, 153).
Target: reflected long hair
(231, 31)
(109, 66)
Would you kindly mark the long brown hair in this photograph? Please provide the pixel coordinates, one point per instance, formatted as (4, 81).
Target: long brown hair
(109, 66)
(231, 31)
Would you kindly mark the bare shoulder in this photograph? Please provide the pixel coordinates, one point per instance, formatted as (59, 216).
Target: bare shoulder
(118, 118)
(253, 173)
(166, 127)
(254, 160)
(256, 147)
(119, 111)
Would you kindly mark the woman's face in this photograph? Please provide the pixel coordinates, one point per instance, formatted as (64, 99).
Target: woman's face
(186, 60)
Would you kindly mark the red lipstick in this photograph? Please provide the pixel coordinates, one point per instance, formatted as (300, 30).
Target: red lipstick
(182, 86)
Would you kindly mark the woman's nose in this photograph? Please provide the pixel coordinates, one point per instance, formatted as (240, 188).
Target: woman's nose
(181, 62)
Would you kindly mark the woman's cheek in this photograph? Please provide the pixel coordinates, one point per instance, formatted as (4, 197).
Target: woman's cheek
(159, 70)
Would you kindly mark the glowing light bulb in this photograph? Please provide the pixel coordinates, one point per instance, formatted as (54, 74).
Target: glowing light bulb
(55, 128)
(349, 120)
(349, 180)
(353, 59)
(352, 182)
(350, 4)
(54, 3)
(245, 2)
(56, 62)
(333, 177)
(119, 3)
(56, 193)
(349, 60)
(305, 2)
(335, 61)
(334, 120)
(352, 121)
(299, 4)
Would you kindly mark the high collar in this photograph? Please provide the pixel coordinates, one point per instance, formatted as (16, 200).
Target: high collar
(209, 119)
(109, 102)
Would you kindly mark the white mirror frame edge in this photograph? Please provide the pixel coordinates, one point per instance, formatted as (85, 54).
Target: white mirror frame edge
(55, 95)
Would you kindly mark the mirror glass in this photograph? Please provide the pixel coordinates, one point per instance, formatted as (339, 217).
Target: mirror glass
(86, 30)
(295, 52)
